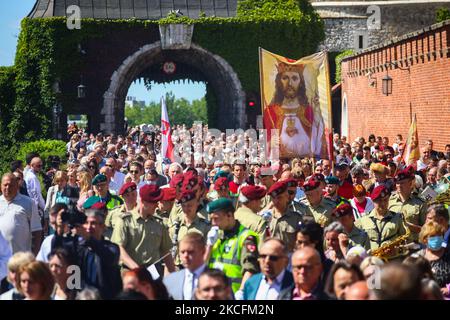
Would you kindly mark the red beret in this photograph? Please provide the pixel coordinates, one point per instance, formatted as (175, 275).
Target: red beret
(318, 176)
(177, 180)
(253, 192)
(221, 184)
(186, 195)
(379, 192)
(407, 173)
(98, 206)
(342, 210)
(277, 188)
(150, 193)
(291, 182)
(124, 189)
(169, 194)
(312, 184)
(190, 180)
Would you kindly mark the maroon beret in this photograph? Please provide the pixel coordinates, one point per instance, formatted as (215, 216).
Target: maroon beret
(379, 192)
(150, 193)
(253, 192)
(129, 186)
(318, 176)
(177, 180)
(312, 184)
(190, 180)
(342, 210)
(407, 173)
(169, 194)
(277, 188)
(221, 184)
(186, 195)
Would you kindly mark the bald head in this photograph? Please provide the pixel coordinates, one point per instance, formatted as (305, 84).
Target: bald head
(36, 164)
(357, 291)
(10, 186)
(306, 268)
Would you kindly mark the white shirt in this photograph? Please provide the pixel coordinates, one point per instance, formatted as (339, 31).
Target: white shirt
(191, 281)
(46, 248)
(34, 189)
(116, 182)
(270, 292)
(18, 219)
(5, 254)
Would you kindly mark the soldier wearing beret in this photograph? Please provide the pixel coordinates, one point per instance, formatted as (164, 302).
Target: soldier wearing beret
(190, 221)
(332, 190)
(165, 205)
(380, 177)
(231, 247)
(247, 214)
(141, 237)
(284, 222)
(296, 206)
(352, 235)
(317, 206)
(177, 183)
(128, 192)
(406, 202)
(381, 224)
(266, 180)
(101, 189)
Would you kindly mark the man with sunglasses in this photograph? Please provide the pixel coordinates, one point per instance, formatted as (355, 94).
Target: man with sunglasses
(317, 206)
(128, 192)
(274, 277)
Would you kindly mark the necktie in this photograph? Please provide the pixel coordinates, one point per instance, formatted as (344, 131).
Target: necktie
(189, 286)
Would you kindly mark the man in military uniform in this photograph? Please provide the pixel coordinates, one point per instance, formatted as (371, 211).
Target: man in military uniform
(405, 202)
(382, 225)
(177, 183)
(331, 191)
(143, 240)
(292, 191)
(101, 189)
(284, 222)
(190, 222)
(317, 206)
(352, 235)
(165, 205)
(234, 249)
(380, 177)
(129, 194)
(247, 214)
(266, 181)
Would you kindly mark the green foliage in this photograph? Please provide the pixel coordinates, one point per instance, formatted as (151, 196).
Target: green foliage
(442, 14)
(45, 148)
(180, 111)
(338, 60)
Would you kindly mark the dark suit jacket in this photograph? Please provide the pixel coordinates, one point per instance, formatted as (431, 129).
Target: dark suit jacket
(252, 284)
(287, 293)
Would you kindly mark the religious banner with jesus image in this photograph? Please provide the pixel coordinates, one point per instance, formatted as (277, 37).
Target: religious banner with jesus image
(296, 100)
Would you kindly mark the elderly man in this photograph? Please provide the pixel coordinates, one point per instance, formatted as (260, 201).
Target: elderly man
(101, 188)
(117, 177)
(213, 285)
(306, 269)
(274, 277)
(182, 284)
(20, 223)
(317, 206)
(341, 171)
(34, 186)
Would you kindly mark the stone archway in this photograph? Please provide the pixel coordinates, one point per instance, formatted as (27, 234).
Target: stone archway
(225, 83)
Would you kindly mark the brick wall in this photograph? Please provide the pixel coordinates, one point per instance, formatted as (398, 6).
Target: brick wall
(424, 90)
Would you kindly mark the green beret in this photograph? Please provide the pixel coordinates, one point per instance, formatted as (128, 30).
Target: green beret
(91, 201)
(332, 180)
(220, 204)
(220, 174)
(99, 179)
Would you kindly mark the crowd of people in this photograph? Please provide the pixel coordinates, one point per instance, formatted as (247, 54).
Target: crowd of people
(117, 221)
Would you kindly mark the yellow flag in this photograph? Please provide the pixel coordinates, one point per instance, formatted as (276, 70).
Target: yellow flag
(411, 152)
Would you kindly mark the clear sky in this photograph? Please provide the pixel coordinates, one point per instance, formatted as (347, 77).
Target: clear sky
(12, 12)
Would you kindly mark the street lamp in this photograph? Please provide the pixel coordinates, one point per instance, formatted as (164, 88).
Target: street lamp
(387, 85)
(81, 90)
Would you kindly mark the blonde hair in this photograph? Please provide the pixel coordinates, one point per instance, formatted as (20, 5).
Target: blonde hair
(39, 272)
(85, 181)
(18, 259)
(370, 261)
(60, 175)
(431, 228)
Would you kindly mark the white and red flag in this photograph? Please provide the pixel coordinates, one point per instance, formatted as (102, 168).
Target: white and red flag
(166, 137)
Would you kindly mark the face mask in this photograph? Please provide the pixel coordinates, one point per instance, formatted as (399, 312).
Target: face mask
(435, 243)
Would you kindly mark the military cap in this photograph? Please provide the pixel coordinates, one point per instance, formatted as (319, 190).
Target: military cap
(253, 192)
(177, 180)
(150, 193)
(220, 204)
(318, 176)
(312, 184)
(190, 180)
(90, 201)
(379, 192)
(378, 167)
(221, 184)
(407, 173)
(100, 178)
(127, 187)
(342, 164)
(169, 194)
(342, 210)
(186, 195)
(332, 180)
(277, 188)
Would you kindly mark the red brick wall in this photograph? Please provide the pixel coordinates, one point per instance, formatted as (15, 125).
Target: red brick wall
(423, 90)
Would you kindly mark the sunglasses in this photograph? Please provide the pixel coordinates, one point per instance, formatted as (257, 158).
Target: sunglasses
(134, 171)
(109, 165)
(92, 167)
(271, 258)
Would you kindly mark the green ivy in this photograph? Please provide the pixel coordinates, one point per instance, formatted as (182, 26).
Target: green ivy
(442, 14)
(338, 60)
(45, 148)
